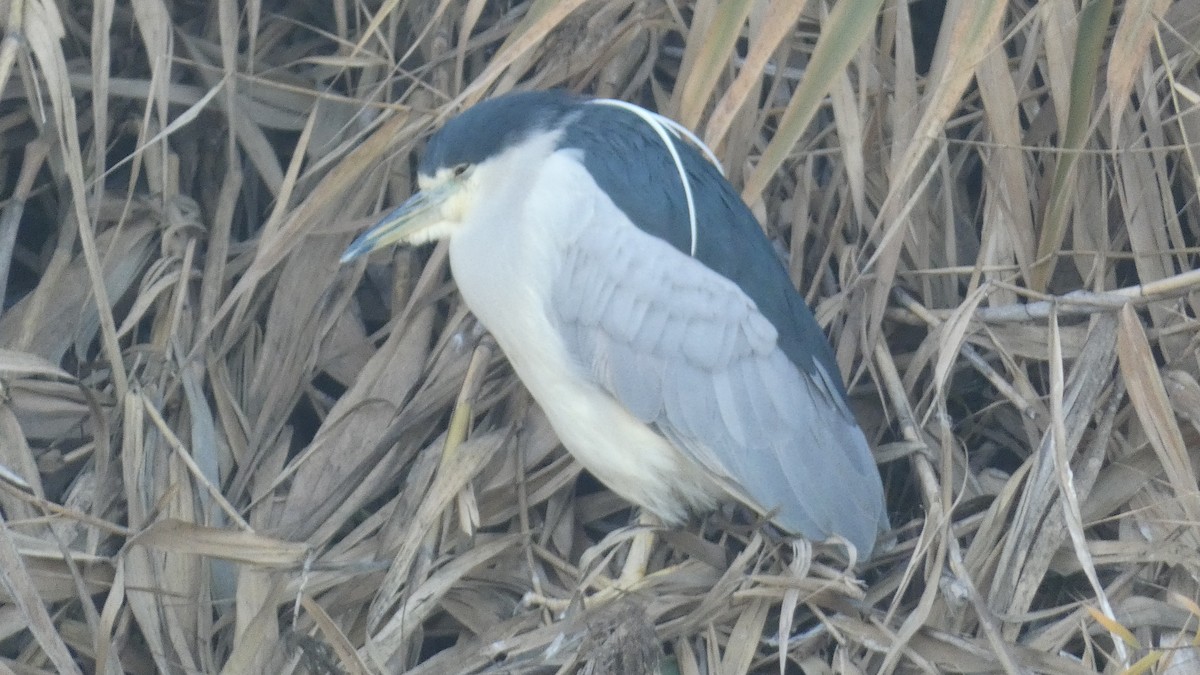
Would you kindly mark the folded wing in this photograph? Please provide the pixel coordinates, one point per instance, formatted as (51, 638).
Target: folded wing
(685, 350)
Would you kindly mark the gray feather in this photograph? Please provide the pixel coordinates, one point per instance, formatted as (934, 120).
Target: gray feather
(685, 350)
(637, 383)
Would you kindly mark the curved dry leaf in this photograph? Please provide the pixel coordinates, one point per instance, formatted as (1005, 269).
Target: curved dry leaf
(1153, 408)
(1127, 53)
(849, 23)
(241, 546)
(15, 363)
(778, 24)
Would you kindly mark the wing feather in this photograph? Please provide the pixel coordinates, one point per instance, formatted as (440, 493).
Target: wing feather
(637, 383)
(684, 349)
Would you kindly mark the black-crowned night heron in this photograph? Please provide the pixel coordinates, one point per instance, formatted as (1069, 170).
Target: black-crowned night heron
(640, 303)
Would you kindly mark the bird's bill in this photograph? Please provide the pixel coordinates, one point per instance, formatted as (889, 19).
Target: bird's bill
(416, 221)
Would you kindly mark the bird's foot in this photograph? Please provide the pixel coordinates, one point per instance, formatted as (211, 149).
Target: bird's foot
(633, 573)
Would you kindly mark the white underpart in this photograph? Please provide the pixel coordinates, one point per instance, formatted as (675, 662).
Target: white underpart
(538, 199)
(665, 128)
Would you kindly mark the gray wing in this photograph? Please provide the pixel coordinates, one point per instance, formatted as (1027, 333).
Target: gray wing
(685, 350)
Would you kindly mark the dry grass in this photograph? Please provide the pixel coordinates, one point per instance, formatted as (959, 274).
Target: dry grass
(222, 450)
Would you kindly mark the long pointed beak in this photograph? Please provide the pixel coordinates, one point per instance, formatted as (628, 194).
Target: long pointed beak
(414, 222)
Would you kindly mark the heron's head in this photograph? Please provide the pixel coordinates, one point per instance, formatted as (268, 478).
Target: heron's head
(483, 154)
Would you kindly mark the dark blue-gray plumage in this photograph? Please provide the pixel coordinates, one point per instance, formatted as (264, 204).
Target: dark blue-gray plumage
(679, 379)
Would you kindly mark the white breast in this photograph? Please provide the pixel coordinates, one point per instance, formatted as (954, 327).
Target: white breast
(506, 270)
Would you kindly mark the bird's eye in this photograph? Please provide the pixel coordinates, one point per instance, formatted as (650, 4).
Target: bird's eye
(459, 170)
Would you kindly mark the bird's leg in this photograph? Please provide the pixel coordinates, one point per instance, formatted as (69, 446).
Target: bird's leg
(633, 572)
(640, 548)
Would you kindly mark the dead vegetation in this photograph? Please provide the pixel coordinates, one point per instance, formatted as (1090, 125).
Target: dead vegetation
(221, 450)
